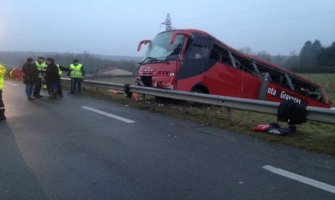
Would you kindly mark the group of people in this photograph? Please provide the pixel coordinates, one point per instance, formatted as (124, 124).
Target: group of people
(45, 73)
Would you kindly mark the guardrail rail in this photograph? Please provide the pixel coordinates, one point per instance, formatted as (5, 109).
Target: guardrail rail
(317, 114)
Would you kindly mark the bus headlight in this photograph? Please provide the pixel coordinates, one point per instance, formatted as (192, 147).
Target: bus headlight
(172, 74)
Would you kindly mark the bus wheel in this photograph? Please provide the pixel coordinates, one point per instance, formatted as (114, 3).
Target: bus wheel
(200, 89)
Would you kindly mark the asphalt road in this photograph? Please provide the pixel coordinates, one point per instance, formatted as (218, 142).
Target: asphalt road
(83, 148)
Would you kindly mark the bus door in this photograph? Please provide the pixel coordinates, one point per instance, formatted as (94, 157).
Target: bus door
(196, 61)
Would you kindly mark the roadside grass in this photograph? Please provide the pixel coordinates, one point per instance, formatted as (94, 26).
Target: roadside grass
(312, 136)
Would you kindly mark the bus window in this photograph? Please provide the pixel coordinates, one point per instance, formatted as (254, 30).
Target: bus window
(221, 55)
(276, 77)
(244, 64)
(215, 55)
(226, 59)
(287, 82)
(198, 52)
(307, 90)
(161, 49)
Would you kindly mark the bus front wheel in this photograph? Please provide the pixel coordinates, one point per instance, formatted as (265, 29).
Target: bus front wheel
(200, 89)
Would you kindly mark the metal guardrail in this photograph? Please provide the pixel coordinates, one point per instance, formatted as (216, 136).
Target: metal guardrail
(313, 113)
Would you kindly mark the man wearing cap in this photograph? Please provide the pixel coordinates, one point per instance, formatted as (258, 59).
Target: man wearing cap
(77, 73)
(30, 77)
(41, 66)
(2, 106)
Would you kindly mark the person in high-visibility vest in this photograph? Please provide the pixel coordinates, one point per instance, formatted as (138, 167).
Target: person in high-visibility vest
(2, 105)
(77, 73)
(41, 66)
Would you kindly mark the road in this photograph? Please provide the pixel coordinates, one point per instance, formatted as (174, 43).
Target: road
(80, 147)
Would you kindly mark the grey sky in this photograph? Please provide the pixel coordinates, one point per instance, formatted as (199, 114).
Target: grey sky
(116, 27)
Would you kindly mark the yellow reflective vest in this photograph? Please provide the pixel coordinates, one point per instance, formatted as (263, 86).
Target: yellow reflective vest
(40, 66)
(2, 75)
(76, 71)
(60, 72)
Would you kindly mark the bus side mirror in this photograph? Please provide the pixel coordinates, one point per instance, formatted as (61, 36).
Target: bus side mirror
(174, 35)
(141, 43)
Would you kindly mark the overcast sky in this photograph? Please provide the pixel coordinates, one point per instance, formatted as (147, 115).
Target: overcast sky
(115, 27)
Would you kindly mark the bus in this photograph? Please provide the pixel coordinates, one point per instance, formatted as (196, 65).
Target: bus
(193, 60)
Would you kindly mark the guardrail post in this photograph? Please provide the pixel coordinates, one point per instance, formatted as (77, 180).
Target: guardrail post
(142, 97)
(229, 116)
(127, 90)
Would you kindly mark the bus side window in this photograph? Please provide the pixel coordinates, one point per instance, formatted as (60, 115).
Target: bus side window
(225, 59)
(244, 64)
(287, 82)
(198, 52)
(221, 55)
(276, 76)
(215, 55)
(238, 64)
(308, 90)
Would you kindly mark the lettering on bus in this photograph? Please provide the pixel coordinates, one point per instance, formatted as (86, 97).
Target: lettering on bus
(283, 95)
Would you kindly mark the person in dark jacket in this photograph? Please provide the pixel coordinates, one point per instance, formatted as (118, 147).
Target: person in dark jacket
(59, 84)
(52, 77)
(30, 76)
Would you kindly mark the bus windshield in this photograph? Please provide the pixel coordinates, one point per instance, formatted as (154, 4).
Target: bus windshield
(160, 48)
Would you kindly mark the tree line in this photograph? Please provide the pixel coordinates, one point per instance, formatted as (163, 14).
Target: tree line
(93, 63)
(312, 58)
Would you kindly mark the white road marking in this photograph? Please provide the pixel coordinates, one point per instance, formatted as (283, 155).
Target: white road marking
(299, 178)
(108, 114)
(12, 84)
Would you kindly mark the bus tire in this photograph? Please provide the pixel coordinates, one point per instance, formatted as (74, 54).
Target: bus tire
(200, 89)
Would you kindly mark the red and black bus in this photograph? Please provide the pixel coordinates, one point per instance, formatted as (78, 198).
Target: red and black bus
(192, 60)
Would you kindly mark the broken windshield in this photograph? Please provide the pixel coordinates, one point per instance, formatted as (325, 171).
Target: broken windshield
(160, 48)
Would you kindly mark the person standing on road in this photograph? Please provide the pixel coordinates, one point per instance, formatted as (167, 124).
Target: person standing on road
(59, 84)
(52, 77)
(41, 66)
(2, 105)
(30, 77)
(77, 73)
